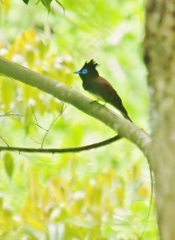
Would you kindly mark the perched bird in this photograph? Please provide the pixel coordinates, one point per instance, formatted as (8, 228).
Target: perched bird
(95, 84)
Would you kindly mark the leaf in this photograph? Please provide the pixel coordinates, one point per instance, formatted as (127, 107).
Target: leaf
(26, 1)
(60, 5)
(7, 92)
(46, 3)
(9, 164)
(5, 5)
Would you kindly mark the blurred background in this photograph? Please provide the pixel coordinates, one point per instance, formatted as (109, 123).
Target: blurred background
(99, 194)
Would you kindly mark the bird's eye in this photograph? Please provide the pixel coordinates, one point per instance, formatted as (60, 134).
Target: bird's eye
(84, 71)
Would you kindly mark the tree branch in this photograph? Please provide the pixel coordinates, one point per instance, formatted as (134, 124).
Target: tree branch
(116, 122)
(61, 150)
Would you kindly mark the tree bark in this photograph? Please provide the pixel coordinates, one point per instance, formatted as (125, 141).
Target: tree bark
(159, 52)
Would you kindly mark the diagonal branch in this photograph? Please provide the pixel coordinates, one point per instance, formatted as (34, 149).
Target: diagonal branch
(124, 128)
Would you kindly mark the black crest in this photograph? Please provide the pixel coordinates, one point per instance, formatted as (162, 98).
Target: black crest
(90, 65)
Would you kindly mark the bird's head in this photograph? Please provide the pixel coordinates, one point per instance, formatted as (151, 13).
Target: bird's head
(88, 70)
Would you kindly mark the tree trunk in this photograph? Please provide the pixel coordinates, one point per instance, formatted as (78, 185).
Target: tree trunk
(160, 61)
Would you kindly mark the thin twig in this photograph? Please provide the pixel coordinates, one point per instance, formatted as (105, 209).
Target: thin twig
(62, 150)
(37, 124)
(47, 131)
(4, 141)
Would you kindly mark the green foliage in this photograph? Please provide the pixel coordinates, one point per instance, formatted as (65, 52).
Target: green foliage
(99, 194)
(26, 1)
(46, 3)
(9, 164)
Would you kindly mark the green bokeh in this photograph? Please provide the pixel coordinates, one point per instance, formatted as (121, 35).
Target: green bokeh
(98, 194)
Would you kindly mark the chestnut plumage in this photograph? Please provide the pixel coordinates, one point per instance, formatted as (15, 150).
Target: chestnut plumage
(95, 84)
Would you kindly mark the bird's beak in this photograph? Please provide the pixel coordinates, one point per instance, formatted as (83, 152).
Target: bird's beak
(77, 72)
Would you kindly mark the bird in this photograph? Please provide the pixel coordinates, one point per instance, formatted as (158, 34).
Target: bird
(99, 86)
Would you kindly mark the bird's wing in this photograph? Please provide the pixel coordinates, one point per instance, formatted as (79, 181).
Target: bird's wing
(107, 92)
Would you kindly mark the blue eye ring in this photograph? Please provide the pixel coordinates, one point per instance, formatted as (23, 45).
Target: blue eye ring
(84, 71)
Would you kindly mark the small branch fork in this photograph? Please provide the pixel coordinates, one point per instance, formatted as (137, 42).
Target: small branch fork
(52, 150)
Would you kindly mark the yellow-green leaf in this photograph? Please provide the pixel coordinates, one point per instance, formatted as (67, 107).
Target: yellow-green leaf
(7, 92)
(9, 164)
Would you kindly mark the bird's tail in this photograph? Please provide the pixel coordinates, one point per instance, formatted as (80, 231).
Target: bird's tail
(116, 101)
